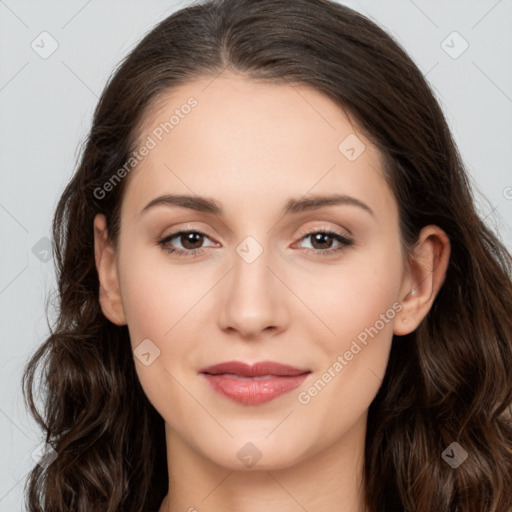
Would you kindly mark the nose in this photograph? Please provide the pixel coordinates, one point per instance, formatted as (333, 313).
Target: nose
(253, 298)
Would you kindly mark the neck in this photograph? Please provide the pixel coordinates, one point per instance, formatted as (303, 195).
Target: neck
(328, 480)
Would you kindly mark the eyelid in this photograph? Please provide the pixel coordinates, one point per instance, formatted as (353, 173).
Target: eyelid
(302, 233)
(343, 240)
(186, 228)
(182, 231)
(325, 229)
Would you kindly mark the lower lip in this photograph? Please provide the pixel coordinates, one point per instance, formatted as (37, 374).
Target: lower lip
(251, 391)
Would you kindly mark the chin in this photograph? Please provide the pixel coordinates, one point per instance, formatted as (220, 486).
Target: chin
(257, 454)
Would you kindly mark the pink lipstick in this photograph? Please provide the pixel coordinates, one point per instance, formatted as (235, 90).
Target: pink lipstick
(253, 384)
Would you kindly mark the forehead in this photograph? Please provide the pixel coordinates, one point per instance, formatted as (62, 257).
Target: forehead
(253, 142)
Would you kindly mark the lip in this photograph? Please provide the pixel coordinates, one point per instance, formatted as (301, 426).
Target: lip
(253, 384)
(258, 369)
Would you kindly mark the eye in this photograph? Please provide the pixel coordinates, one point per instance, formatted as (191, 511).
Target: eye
(320, 238)
(191, 242)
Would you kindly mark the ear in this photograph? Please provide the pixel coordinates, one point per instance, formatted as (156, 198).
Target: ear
(425, 274)
(110, 294)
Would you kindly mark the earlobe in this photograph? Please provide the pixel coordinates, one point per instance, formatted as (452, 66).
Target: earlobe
(109, 291)
(426, 273)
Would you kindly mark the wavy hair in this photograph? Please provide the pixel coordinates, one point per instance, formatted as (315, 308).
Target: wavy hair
(448, 381)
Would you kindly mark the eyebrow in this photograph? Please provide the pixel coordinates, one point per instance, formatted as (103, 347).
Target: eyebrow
(209, 205)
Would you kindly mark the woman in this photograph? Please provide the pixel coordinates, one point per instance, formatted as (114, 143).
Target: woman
(204, 357)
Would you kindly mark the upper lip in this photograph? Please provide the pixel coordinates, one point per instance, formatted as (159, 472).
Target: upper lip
(258, 369)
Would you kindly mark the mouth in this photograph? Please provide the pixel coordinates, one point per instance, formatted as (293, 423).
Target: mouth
(253, 384)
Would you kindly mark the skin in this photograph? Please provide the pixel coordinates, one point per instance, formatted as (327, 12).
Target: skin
(252, 146)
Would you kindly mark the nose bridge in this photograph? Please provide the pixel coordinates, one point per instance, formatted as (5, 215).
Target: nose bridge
(251, 280)
(252, 300)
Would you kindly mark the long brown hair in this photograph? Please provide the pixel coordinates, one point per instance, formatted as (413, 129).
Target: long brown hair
(448, 381)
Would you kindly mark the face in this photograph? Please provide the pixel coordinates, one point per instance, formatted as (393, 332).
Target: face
(264, 276)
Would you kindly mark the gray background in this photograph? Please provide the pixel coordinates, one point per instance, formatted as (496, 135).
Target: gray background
(46, 106)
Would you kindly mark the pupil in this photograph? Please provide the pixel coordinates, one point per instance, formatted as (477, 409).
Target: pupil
(189, 240)
(321, 238)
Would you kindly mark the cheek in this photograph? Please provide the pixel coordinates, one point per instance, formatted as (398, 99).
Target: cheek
(162, 304)
(356, 295)
(156, 294)
(159, 305)
(359, 307)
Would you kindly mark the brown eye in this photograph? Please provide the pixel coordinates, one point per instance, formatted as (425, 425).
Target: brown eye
(322, 242)
(191, 240)
(191, 243)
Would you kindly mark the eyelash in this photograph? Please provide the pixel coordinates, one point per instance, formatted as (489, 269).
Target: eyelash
(343, 239)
